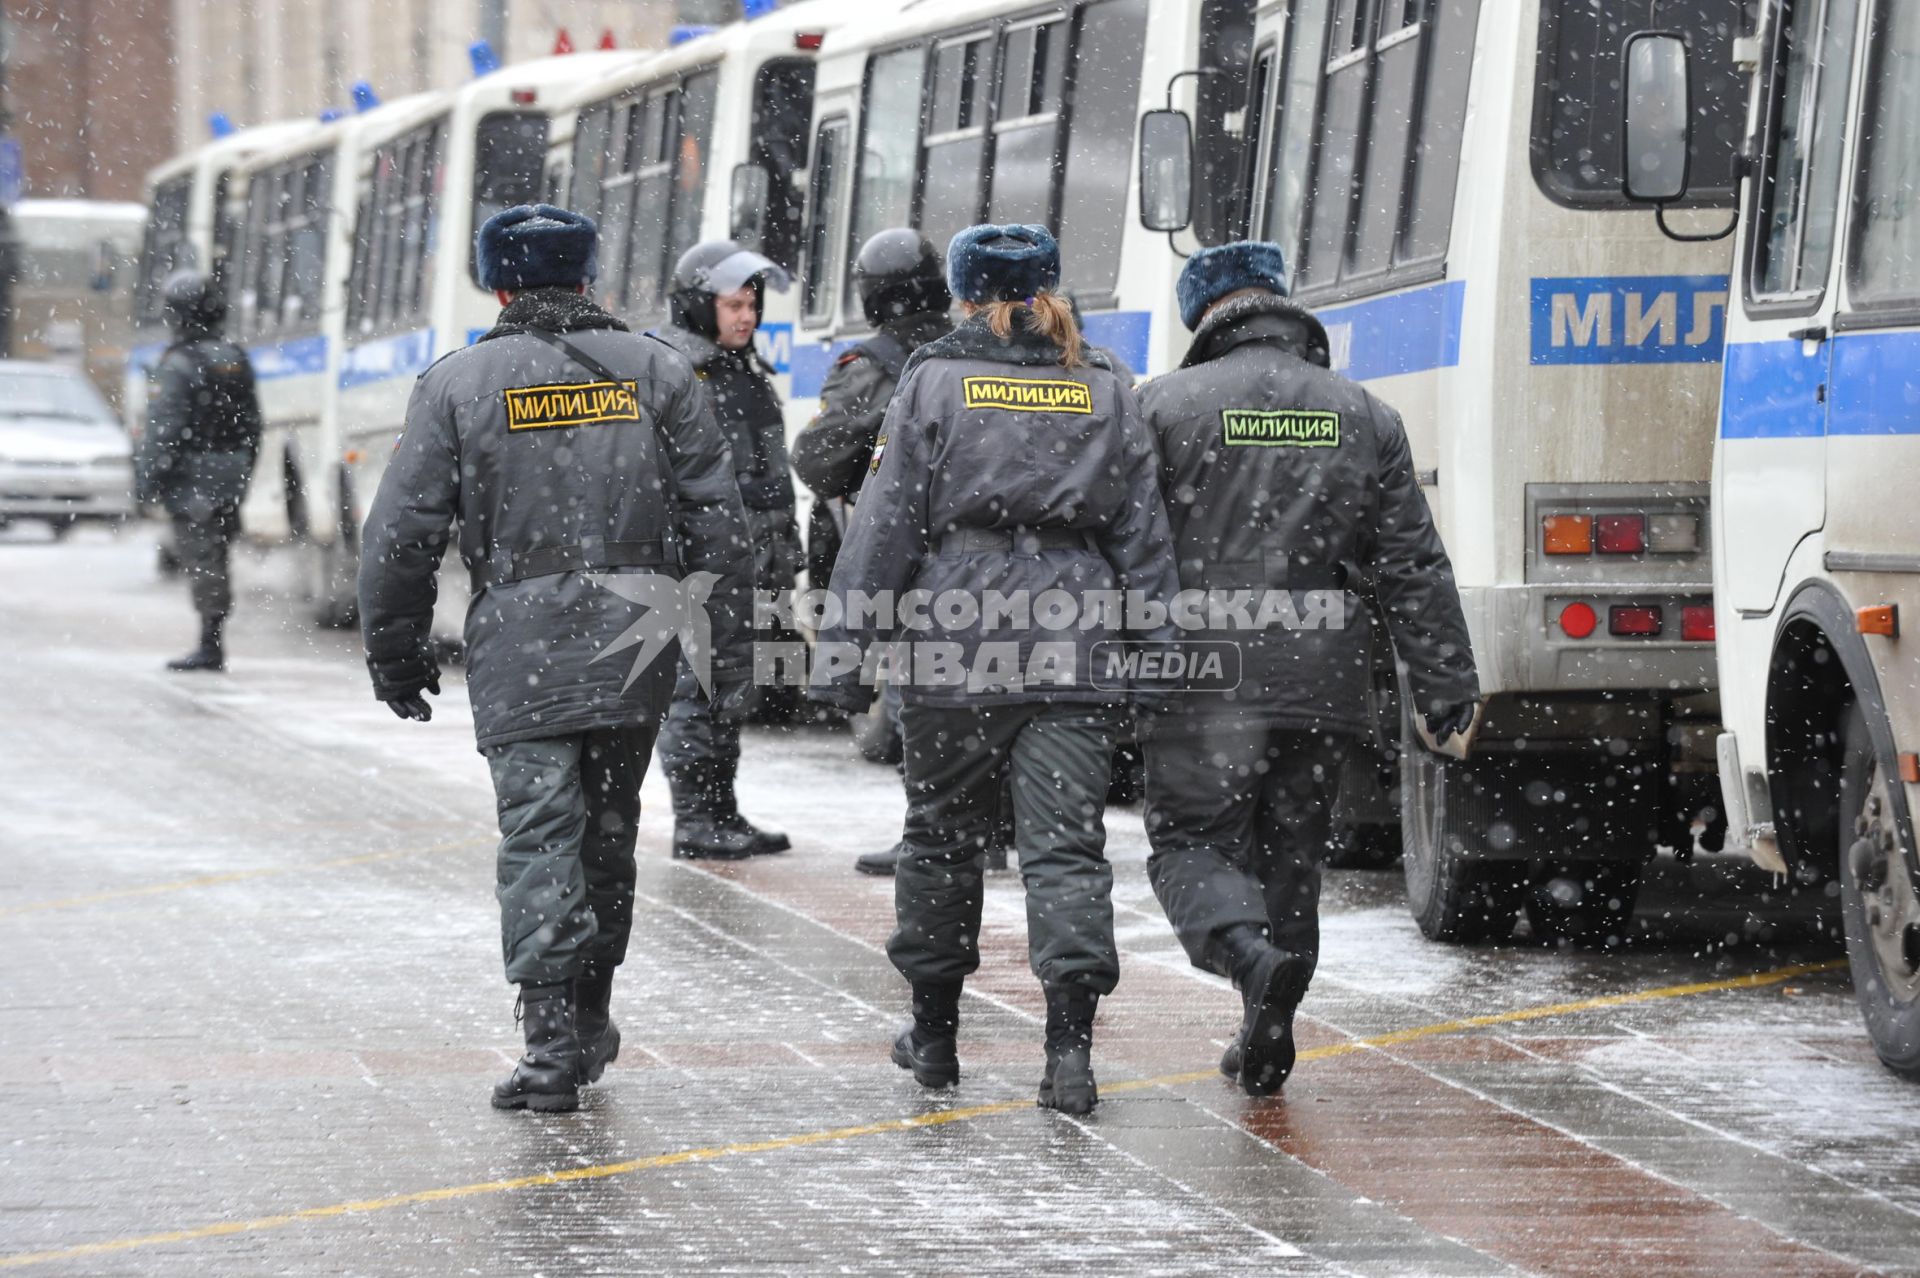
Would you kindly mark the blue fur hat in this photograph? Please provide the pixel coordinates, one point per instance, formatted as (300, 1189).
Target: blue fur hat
(1002, 263)
(1212, 273)
(537, 246)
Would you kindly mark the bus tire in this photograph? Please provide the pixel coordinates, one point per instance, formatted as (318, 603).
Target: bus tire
(1879, 901)
(1444, 811)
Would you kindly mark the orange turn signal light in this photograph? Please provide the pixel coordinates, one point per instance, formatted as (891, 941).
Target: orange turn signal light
(1881, 619)
(1910, 768)
(1569, 534)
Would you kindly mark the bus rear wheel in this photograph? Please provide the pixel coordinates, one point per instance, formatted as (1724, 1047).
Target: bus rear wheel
(1880, 903)
(1444, 811)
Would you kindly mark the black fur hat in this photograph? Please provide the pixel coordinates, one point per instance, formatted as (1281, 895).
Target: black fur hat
(1212, 273)
(537, 246)
(1002, 263)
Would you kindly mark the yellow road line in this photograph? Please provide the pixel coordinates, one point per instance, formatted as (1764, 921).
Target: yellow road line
(714, 1153)
(233, 876)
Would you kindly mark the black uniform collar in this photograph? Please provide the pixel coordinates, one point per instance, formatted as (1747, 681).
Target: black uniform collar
(974, 340)
(1259, 317)
(915, 331)
(551, 310)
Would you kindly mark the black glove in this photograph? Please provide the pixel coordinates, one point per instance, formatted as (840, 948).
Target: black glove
(732, 693)
(412, 704)
(1451, 720)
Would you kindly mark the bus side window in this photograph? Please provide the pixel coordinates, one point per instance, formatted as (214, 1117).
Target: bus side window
(359, 275)
(953, 165)
(1797, 200)
(1884, 269)
(883, 183)
(307, 246)
(782, 106)
(692, 145)
(1219, 123)
(1104, 99)
(823, 190)
(591, 134)
(1026, 129)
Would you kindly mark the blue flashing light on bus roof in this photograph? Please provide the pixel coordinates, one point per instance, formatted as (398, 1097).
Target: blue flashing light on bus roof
(480, 53)
(751, 9)
(688, 31)
(329, 114)
(220, 124)
(364, 98)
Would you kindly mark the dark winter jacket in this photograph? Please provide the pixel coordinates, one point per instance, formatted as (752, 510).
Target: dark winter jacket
(998, 471)
(1283, 475)
(203, 429)
(566, 507)
(832, 454)
(751, 419)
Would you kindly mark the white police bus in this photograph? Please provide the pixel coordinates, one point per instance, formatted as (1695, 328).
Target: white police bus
(1445, 177)
(1816, 550)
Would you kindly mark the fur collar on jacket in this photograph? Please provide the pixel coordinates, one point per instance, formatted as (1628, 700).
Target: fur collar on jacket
(551, 310)
(1260, 317)
(972, 339)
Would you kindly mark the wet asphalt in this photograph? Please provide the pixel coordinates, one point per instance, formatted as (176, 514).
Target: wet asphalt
(254, 1006)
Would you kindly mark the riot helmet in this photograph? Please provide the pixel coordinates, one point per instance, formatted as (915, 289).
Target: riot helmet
(192, 302)
(719, 266)
(898, 272)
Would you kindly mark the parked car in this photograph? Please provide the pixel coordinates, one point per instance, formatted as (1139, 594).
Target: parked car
(63, 454)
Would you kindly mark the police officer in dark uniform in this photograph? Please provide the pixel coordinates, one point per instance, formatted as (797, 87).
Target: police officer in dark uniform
(1014, 462)
(599, 521)
(903, 293)
(196, 458)
(718, 288)
(1292, 485)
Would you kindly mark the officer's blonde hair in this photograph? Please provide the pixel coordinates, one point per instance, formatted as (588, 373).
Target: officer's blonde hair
(1048, 314)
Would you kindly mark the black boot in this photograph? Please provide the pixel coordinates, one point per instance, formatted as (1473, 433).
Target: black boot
(927, 1046)
(211, 655)
(881, 862)
(704, 838)
(593, 1023)
(1068, 1084)
(764, 841)
(1271, 982)
(547, 1078)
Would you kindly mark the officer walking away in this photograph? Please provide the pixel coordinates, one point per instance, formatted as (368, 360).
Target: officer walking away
(1280, 476)
(598, 519)
(718, 288)
(196, 458)
(903, 293)
(1013, 461)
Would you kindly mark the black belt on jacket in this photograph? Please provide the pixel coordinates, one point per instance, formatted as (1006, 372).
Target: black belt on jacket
(1019, 541)
(548, 560)
(1273, 572)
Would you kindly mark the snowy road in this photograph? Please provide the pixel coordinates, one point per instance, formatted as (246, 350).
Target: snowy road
(255, 1003)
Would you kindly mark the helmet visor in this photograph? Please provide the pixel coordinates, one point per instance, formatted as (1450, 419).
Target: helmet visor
(736, 269)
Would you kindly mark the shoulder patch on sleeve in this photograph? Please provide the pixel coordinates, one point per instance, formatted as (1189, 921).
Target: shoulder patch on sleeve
(1284, 428)
(879, 447)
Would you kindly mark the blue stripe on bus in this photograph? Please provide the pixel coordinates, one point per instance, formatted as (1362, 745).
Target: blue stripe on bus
(810, 361)
(401, 355)
(1409, 332)
(1772, 389)
(775, 344)
(1875, 388)
(298, 357)
(1628, 319)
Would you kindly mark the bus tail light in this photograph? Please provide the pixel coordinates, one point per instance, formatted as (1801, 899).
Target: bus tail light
(809, 40)
(1696, 623)
(1883, 619)
(1578, 620)
(1620, 534)
(1635, 621)
(1569, 534)
(527, 97)
(1673, 534)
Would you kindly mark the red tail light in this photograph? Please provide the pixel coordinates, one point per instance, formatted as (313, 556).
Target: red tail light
(1696, 623)
(809, 39)
(1578, 620)
(1633, 620)
(1620, 534)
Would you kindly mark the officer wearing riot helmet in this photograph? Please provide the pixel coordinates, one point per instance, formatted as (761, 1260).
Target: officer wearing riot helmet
(598, 520)
(718, 288)
(903, 293)
(197, 455)
(1012, 460)
(1285, 482)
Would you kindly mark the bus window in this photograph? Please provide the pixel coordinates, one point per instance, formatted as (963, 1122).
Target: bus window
(1219, 121)
(889, 150)
(1292, 147)
(823, 189)
(393, 247)
(165, 248)
(590, 155)
(1576, 147)
(693, 145)
(509, 153)
(1026, 130)
(1093, 196)
(1796, 202)
(1259, 101)
(956, 147)
(1885, 268)
(656, 182)
(306, 238)
(782, 106)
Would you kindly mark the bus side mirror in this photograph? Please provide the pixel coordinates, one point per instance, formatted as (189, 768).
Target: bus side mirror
(1658, 128)
(747, 206)
(1166, 171)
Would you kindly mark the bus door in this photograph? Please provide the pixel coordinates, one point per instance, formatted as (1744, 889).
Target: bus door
(1772, 488)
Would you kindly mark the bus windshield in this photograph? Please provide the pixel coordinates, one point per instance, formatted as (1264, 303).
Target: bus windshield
(509, 164)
